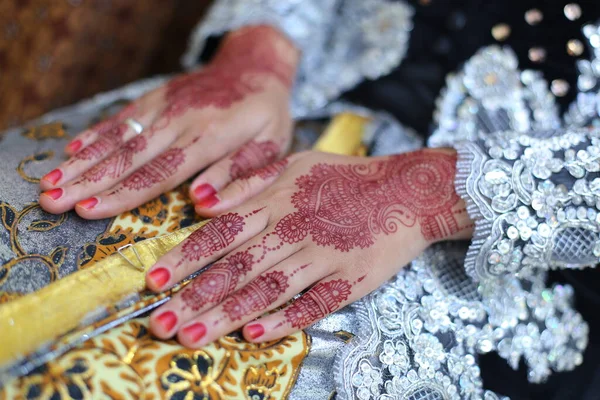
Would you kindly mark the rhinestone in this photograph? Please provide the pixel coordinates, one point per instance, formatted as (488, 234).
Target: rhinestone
(512, 233)
(581, 213)
(511, 154)
(544, 230)
(363, 393)
(537, 54)
(532, 222)
(572, 11)
(588, 30)
(523, 212)
(496, 152)
(537, 204)
(571, 214)
(501, 32)
(534, 16)
(574, 47)
(525, 233)
(559, 87)
(357, 380)
(504, 247)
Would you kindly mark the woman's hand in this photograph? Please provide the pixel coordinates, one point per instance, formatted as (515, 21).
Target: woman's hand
(326, 228)
(231, 115)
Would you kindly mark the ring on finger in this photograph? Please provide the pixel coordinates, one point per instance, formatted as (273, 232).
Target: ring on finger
(135, 125)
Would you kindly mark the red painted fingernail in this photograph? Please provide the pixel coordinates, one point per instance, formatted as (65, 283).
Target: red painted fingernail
(168, 320)
(195, 331)
(208, 202)
(88, 204)
(54, 194)
(53, 176)
(74, 146)
(160, 276)
(203, 191)
(255, 331)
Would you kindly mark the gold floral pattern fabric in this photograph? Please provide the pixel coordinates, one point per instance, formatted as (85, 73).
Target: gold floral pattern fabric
(125, 362)
(128, 363)
(30, 244)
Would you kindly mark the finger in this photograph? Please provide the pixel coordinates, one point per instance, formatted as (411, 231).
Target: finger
(219, 236)
(151, 178)
(264, 293)
(90, 135)
(242, 189)
(224, 277)
(255, 154)
(325, 297)
(105, 145)
(107, 173)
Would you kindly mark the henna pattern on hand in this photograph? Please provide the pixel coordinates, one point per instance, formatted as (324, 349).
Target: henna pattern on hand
(109, 133)
(158, 170)
(231, 76)
(104, 144)
(115, 166)
(215, 284)
(345, 206)
(252, 157)
(256, 296)
(320, 301)
(216, 235)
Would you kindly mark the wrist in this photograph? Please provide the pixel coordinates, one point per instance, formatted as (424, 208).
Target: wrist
(260, 49)
(429, 192)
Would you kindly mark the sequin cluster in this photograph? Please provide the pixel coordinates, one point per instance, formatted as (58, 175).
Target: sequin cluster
(421, 334)
(526, 219)
(489, 95)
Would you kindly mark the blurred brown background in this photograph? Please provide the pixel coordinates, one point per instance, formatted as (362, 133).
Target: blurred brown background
(55, 52)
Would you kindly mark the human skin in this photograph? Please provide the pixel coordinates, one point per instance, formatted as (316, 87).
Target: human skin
(229, 118)
(326, 227)
(331, 227)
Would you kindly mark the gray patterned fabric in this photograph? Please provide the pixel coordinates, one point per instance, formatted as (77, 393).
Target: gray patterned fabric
(37, 248)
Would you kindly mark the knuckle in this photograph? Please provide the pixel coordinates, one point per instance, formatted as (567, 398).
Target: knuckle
(211, 128)
(220, 169)
(242, 186)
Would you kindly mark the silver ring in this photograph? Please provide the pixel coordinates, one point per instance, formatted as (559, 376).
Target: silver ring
(135, 125)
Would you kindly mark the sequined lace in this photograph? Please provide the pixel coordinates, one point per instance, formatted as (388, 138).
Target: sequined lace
(531, 181)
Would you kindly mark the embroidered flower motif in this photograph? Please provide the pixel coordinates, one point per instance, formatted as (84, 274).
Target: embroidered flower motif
(367, 380)
(429, 352)
(541, 162)
(395, 357)
(52, 381)
(434, 314)
(191, 377)
(547, 197)
(259, 382)
(491, 76)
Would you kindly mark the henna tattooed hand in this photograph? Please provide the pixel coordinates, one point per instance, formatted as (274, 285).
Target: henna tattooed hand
(231, 116)
(331, 227)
